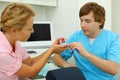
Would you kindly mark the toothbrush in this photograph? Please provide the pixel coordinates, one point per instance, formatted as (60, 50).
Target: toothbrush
(63, 41)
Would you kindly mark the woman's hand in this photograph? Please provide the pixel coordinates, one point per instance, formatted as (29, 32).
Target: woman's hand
(57, 47)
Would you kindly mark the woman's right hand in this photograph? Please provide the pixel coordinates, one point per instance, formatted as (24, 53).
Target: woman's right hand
(57, 47)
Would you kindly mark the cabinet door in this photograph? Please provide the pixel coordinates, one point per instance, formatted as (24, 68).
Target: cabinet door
(10, 0)
(41, 2)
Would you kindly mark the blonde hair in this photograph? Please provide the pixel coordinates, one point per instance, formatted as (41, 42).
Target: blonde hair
(15, 16)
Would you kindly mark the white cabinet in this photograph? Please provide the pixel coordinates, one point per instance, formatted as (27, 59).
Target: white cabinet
(41, 2)
(35, 2)
(10, 0)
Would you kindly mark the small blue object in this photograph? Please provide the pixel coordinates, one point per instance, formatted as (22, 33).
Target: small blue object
(63, 43)
(44, 71)
(77, 50)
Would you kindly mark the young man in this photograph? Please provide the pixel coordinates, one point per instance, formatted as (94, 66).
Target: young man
(96, 51)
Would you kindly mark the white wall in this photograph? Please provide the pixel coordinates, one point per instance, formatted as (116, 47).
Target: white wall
(2, 5)
(65, 17)
(116, 16)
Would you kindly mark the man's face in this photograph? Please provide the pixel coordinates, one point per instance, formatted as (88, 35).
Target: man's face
(89, 26)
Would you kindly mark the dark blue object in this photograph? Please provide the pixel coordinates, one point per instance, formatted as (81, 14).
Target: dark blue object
(69, 73)
(77, 50)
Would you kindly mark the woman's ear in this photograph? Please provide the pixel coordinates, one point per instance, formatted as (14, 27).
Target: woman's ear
(14, 30)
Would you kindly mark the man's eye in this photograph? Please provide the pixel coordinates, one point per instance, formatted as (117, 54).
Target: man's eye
(88, 21)
(81, 20)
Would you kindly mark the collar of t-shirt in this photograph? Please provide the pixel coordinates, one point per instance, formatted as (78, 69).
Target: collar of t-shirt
(91, 40)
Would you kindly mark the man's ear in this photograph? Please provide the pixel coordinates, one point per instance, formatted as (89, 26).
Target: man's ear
(102, 21)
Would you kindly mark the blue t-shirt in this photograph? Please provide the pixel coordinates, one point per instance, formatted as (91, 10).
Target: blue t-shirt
(105, 46)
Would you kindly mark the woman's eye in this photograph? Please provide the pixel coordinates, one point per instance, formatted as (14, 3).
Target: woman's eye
(29, 29)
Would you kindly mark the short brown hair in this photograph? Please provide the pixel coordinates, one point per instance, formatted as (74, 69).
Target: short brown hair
(98, 11)
(15, 16)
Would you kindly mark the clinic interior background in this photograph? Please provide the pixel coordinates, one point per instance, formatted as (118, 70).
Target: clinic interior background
(65, 16)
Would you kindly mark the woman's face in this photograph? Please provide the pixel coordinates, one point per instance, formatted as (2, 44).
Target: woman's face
(26, 31)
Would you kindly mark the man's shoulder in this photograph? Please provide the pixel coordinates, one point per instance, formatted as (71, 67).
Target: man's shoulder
(111, 33)
(78, 31)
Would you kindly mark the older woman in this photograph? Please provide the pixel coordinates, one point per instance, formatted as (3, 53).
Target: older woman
(17, 25)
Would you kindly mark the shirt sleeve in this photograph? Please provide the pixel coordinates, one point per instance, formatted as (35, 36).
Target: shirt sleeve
(25, 55)
(22, 51)
(9, 64)
(114, 50)
(68, 53)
